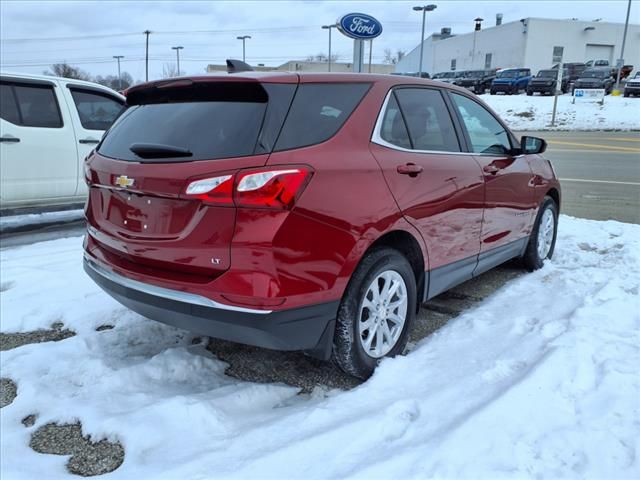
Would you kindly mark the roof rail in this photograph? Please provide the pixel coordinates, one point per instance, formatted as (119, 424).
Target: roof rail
(235, 66)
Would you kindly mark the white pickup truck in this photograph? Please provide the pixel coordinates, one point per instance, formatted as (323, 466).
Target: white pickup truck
(48, 125)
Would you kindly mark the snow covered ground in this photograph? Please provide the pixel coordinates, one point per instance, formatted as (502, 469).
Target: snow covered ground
(539, 381)
(13, 222)
(522, 112)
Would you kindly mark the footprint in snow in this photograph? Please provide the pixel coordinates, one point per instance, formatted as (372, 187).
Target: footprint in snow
(503, 369)
(4, 286)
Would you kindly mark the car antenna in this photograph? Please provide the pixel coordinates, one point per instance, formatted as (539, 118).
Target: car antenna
(235, 66)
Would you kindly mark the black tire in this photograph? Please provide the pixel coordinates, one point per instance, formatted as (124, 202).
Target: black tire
(531, 258)
(492, 92)
(348, 351)
(529, 93)
(626, 94)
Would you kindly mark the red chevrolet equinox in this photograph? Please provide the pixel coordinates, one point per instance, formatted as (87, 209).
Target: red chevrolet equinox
(311, 212)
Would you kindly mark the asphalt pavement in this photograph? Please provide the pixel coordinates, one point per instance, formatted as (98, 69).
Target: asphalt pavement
(599, 172)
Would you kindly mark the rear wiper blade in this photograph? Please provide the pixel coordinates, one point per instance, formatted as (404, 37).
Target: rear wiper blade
(158, 150)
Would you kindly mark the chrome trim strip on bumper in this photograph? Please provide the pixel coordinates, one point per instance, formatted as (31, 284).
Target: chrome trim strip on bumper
(167, 293)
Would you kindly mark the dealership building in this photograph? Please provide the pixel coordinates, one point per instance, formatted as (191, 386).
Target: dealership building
(536, 43)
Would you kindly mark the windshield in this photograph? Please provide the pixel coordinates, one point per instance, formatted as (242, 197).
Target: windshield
(593, 74)
(507, 74)
(548, 74)
(443, 75)
(474, 73)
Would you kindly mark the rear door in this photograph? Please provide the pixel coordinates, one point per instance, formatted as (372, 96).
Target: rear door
(93, 111)
(175, 133)
(37, 150)
(509, 203)
(439, 189)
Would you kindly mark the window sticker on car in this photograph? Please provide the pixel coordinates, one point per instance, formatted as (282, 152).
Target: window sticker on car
(329, 111)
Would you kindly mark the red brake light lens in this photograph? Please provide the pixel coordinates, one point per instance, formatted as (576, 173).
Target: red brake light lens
(273, 188)
(265, 188)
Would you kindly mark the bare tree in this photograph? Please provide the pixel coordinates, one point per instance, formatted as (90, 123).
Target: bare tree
(170, 70)
(322, 57)
(391, 58)
(112, 81)
(67, 71)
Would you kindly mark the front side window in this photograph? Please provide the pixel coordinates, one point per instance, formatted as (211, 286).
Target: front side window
(96, 111)
(428, 120)
(487, 135)
(30, 105)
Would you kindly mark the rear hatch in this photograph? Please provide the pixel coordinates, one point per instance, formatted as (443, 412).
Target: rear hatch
(151, 203)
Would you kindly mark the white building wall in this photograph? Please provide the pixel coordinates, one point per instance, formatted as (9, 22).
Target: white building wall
(525, 44)
(580, 45)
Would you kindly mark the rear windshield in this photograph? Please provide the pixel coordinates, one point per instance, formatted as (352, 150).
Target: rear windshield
(208, 126)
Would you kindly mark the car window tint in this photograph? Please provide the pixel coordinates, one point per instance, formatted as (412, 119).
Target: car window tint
(38, 106)
(8, 106)
(393, 128)
(318, 111)
(428, 120)
(96, 111)
(209, 130)
(487, 135)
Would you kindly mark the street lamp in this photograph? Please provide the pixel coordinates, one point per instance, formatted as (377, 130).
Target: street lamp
(118, 57)
(243, 38)
(424, 9)
(329, 27)
(177, 49)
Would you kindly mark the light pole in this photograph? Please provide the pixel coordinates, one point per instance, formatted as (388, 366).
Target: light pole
(624, 40)
(243, 38)
(118, 57)
(329, 27)
(424, 9)
(177, 49)
(146, 56)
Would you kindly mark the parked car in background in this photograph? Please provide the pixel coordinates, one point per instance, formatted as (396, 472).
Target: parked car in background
(596, 77)
(511, 80)
(597, 63)
(625, 72)
(574, 69)
(314, 212)
(448, 77)
(476, 80)
(632, 87)
(48, 125)
(546, 82)
(412, 74)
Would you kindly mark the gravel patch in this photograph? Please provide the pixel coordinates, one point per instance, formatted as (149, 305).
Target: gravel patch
(15, 340)
(8, 392)
(87, 458)
(29, 420)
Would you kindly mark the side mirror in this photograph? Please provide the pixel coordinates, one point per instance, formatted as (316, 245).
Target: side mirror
(532, 145)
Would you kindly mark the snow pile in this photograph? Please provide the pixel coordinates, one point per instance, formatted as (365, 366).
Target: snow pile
(522, 112)
(14, 222)
(540, 380)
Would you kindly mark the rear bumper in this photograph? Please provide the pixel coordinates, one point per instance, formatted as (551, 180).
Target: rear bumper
(308, 328)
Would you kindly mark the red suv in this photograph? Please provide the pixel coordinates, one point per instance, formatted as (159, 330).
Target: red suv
(311, 212)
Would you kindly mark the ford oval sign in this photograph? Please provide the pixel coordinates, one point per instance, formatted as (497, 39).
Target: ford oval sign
(360, 26)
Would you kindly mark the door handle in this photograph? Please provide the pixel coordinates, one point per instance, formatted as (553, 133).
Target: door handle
(9, 139)
(410, 169)
(490, 169)
(88, 140)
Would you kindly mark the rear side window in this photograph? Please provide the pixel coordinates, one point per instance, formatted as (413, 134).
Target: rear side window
(32, 105)
(394, 129)
(96, 111)
(428, 120)
(318, 111)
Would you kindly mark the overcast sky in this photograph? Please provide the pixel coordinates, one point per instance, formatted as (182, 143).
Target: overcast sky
(35, 34)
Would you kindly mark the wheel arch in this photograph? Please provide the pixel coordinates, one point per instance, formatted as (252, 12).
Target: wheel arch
(554, 193)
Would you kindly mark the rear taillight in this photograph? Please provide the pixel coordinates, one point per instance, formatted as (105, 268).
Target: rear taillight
(275, 187)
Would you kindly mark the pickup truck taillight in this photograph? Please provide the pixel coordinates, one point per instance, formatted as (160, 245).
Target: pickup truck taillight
(275, 187)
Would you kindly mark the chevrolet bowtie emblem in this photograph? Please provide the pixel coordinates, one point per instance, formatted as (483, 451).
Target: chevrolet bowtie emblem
(123, 181)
